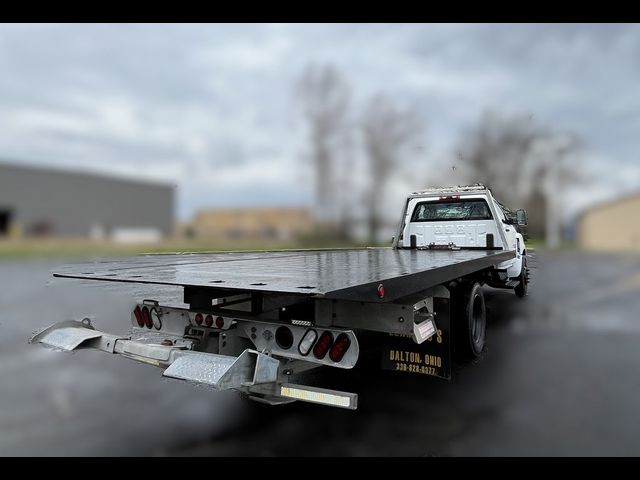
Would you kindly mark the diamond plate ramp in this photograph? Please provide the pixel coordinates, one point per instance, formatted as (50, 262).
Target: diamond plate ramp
(67, 335)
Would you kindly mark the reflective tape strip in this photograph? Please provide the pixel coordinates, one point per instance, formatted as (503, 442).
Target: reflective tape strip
(317, 397)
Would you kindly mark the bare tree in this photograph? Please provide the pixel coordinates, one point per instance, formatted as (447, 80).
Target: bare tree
(325, 98)
(520, 161)
(389, 132)
(556, 173)
(495, 153)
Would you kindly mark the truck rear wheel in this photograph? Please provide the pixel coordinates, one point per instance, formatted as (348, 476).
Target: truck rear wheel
(470, 321)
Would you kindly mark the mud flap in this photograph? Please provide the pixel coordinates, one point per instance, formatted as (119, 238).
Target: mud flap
(432, 357)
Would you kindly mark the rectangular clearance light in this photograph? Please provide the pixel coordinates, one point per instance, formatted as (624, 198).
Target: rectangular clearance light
(335, 399)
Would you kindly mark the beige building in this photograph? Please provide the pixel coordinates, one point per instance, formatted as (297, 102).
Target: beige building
(279, 224)
(611, 226)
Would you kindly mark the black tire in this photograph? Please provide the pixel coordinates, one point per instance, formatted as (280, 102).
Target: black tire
(469, 322)
(523, 287)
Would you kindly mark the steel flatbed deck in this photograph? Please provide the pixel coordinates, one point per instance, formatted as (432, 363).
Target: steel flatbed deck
(340, 274)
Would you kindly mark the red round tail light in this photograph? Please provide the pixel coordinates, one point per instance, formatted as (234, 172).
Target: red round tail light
(381, 291)
(219, 322)
(208, 320)
(198, 318)
(138, 313)
(340, 347)
(323, 345)
(146, 317)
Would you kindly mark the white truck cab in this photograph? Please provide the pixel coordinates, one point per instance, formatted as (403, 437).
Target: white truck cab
(467, 217)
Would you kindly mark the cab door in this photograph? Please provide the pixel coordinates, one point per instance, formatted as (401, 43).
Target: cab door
(510, 232)
(513, 243)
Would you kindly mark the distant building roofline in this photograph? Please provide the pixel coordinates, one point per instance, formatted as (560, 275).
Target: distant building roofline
(261, 208)
(81, 173)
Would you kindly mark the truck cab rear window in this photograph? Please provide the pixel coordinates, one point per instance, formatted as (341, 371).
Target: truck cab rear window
(451, 210)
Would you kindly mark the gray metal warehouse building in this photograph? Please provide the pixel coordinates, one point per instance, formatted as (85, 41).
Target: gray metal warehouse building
(41, 201)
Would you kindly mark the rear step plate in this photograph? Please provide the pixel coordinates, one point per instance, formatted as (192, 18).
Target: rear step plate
(223, 372)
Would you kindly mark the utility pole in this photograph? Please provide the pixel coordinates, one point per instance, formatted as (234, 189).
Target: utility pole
(553, 222)
(554, 192)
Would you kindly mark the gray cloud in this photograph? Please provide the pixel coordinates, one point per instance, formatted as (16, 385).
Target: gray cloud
(210, 106)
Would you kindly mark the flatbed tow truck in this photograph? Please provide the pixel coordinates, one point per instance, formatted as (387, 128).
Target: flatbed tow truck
(256, 321)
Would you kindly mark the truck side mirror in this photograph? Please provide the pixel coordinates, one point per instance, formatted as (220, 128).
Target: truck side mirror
(521, 217)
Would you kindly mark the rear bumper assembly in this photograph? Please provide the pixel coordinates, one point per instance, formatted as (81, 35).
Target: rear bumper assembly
(252, 372)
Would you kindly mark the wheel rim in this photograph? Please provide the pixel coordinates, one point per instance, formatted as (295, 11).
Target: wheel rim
(478, 320)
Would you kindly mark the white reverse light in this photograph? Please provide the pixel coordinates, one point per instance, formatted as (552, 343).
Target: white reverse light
(307, 342)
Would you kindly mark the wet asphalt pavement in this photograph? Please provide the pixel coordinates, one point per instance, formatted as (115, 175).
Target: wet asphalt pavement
(561, 376)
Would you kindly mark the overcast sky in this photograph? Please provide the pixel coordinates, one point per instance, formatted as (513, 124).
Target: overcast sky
(210, 107)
